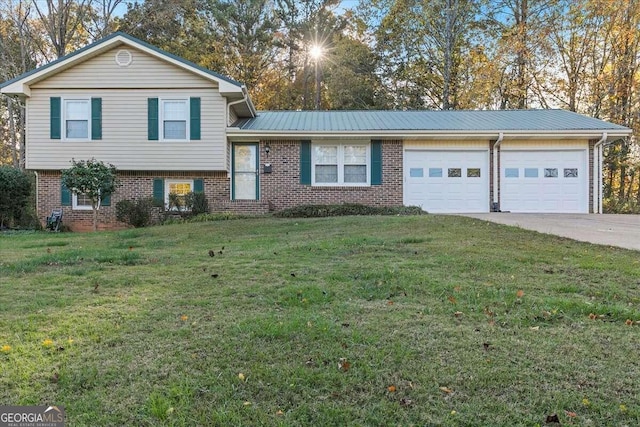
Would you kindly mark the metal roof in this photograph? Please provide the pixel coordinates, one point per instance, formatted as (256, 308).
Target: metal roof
(447, 121)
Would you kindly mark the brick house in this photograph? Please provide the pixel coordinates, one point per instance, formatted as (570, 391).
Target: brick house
(170, 126)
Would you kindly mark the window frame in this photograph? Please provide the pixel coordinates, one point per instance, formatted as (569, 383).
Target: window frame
(161, 120)
(167, 184)
(63, 118)
(75, 206)
(340, 163)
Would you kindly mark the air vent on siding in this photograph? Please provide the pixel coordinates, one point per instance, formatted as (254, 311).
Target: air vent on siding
(123, 58)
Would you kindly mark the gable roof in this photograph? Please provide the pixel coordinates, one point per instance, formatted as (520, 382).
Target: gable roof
(532, 123)
(20, 85)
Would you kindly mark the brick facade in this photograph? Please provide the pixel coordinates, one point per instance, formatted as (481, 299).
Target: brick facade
(282, 188)
(279, 189)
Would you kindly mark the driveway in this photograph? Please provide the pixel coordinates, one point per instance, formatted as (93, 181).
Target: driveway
(612, 230)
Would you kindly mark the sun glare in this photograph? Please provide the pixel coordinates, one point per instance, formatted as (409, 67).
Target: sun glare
(316, 51)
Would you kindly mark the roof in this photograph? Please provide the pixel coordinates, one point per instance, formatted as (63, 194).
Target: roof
(451, 120)
(416, 124)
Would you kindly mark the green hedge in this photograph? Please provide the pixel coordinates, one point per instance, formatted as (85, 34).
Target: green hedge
(316, 211)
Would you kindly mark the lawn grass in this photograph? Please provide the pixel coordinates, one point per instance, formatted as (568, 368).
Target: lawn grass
(427, 320)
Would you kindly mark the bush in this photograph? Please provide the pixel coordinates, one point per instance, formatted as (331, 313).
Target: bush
(316, 211)
(136, 213)
(197, 203)
(15, 188)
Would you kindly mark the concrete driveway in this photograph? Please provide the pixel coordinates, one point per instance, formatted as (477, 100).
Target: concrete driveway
(612, 230)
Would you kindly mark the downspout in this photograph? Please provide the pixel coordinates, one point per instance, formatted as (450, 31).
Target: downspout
(37, 193)
(496, 170)
(597, 174)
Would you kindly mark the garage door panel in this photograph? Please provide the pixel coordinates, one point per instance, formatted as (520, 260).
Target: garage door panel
(529, 190)
(445, 184)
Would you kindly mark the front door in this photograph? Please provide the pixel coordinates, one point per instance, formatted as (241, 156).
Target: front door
(245, 172)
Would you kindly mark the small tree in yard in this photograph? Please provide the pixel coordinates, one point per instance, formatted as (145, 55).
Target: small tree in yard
(15, 188)
(92, 178)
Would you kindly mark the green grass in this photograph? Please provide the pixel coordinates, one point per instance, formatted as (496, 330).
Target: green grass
(146, 328)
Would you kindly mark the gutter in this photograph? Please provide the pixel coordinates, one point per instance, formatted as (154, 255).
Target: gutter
(238, 134)
(496, 187)
(597, 173)
(245, 99)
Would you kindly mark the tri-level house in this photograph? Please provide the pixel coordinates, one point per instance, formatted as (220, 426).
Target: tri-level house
(170, 126)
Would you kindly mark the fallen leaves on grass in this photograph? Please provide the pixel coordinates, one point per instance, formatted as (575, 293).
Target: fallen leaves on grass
(184, 317)
(343, 364)
(391, 389)
(629, 322)
(279, 412)
(241, 377)
(5, 348)
(458, 314)
(586, 402)
(520, 293)
(47, 343)
(446, 390)
(452, 299)
(571, 414)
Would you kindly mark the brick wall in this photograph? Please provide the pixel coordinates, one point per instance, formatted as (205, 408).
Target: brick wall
(278, 190)
(282, 188)
(133, 185)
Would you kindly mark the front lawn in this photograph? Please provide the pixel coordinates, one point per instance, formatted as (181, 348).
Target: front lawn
(426, 320)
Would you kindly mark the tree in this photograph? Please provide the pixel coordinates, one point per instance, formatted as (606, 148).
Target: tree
(15, 189)
(92, 178)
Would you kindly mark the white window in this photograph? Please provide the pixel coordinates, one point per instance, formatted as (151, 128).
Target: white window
(81, 202)
(77, 113)
(340, 164)
(174, 118)
(175, 192)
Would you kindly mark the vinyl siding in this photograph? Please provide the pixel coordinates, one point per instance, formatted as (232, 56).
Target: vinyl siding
(124, 133)
(233, 117)
(544, 144)
(447, 145)
(145, 71)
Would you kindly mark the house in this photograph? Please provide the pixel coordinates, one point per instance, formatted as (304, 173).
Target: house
(170, 126)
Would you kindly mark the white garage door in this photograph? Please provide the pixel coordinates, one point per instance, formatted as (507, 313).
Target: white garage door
(447, 181)
(544, 181)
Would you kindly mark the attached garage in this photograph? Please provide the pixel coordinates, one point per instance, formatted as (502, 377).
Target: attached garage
(447, 181)
(552, 181)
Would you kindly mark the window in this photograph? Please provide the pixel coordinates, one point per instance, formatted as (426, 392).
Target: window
(175, 193)
(416, 172)
(81, 202)
(473, 173)
(340, 164)
(571, 173)
(511, 173)
(435, 172)
(77, 113)
(454, 173)
(175, 113)
(550, 173)
(530, 172)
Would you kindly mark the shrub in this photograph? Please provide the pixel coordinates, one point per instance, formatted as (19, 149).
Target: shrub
(316, 211)
(15, 188)
(197, 203)
(136, 213)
